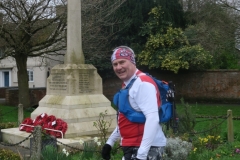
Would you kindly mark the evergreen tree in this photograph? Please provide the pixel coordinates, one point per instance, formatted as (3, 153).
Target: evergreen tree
(168, 48)
(136, 13)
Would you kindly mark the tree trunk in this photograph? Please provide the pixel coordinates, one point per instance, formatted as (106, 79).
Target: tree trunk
(23, 88)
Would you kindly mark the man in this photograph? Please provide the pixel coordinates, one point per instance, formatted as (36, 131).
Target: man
(139, 141)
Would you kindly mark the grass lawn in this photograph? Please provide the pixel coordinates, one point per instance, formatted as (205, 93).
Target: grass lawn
(10, 114)
(203, 124)
(212, 109)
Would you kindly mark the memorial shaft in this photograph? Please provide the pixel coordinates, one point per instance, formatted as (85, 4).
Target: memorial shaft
(74, 53)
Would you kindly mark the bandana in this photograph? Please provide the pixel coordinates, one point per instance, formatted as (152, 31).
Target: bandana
(123, 52)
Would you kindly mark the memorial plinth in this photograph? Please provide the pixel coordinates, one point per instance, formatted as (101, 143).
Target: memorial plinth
(74, 94)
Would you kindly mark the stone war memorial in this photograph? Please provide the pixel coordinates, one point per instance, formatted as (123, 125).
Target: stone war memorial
(74, 91)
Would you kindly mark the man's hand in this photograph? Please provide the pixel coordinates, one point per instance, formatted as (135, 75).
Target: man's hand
(106, 150)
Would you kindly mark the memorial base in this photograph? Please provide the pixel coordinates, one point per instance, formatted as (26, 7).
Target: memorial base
(80, 112)
(74, 94)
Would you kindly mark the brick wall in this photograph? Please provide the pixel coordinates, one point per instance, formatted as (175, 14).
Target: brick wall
(216, 86)
(2, 92)
(36, 94)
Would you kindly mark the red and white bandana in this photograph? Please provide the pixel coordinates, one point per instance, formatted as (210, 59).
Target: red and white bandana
(123, 52)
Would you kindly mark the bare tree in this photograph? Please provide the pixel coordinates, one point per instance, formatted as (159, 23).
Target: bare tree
(30, 28)
(99, 27)
(215, 27)
(234, 7)
(34, 28)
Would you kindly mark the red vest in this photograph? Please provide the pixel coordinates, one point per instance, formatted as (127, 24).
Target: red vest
(132, 133)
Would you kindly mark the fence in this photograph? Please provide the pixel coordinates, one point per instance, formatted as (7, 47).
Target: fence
(37, 143)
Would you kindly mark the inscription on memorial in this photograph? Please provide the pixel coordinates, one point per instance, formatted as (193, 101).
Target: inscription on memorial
(58, 82)
(84, 83)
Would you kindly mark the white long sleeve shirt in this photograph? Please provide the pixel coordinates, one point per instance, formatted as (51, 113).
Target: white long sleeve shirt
(142, 97)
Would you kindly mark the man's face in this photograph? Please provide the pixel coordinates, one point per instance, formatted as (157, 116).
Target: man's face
(123, 68)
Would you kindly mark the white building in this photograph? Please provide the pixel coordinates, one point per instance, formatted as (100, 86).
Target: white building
(38, 68)
(38, 71)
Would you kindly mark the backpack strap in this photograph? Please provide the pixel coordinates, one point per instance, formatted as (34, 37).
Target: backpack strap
(131, 83)
(127, 87)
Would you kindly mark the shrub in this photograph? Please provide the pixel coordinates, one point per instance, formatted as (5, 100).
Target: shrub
(209, 142)
(8, 155)
(102, 126)
(177, 149)
(225, 151)
(187, 120)
(8, 125)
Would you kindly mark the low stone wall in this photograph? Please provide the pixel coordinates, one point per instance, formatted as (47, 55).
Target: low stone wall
(212, 86)
(3, 91)
(36, 94)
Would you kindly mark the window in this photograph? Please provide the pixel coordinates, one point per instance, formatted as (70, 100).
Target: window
(5, 78)
(30, 75)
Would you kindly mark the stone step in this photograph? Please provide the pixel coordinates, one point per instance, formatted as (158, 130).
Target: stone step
(22, 138)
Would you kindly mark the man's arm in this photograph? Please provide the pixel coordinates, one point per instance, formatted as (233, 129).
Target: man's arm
(106, 150)
(150, 130)
(114, 137)
(146, 98)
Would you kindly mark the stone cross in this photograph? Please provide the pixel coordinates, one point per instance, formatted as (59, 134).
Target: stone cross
(74, 53)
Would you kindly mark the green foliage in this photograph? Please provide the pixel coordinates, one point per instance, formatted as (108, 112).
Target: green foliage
(214, 130)
(212, 143)
(89, 151)
(168, 47)
(121, 26)
(155, 23)
(214, 27)
(8, 155)
(8, 125)
(227, 60)
(50, 153)
(136, 12)
(208, 142)
(220, 46)
(187, 57)
(225, 151)
(92, 150)
(187, 120)
(102, 125)
(173, 12)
